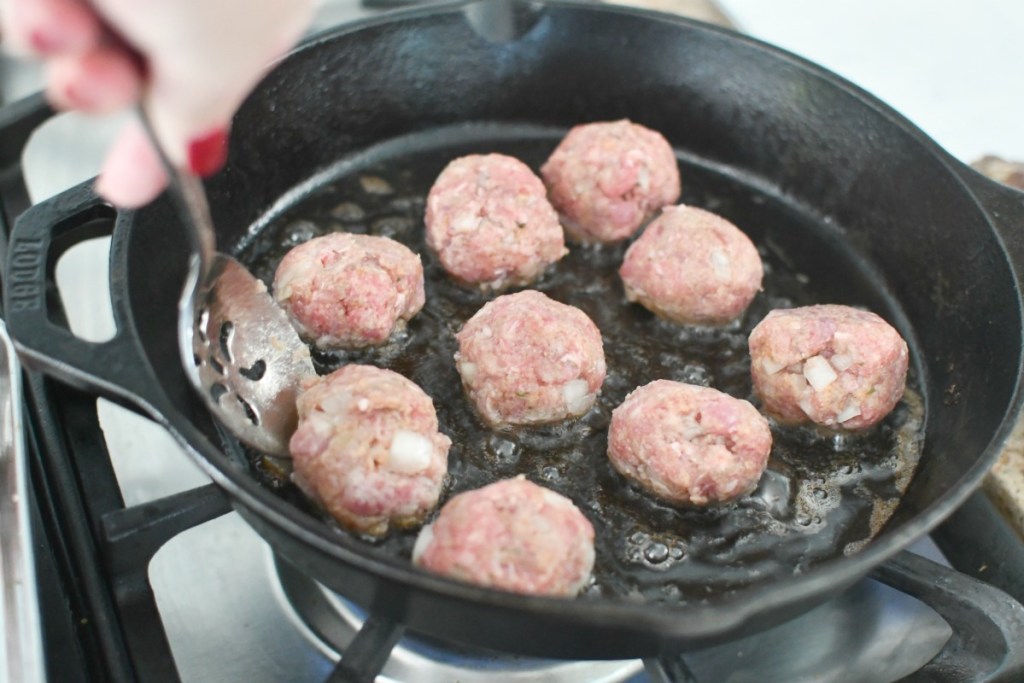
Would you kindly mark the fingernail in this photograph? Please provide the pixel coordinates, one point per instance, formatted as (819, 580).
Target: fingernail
(43, 42)
(206, 154)
(75, 98)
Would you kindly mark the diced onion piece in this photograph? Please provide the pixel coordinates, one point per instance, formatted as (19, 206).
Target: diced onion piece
(841, 362)
(819, 373)
(806, 406)
(465, 223)
(691, 430)
(410, 452)
(336, 403)
(468, 372)
(849, 412)
(771, 366)
(721, 264)
(643, 179)
(423, 542)
(577, 396)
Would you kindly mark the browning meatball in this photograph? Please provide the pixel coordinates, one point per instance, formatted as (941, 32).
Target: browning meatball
(489, 221)
(692, 266)
(605, 179)
(687, 444)
(368, 449)
(513, 535)
(349, 291)
(526, 359)
(836, 366)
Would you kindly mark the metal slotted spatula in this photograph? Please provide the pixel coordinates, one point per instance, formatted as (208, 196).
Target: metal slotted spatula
(238, 347)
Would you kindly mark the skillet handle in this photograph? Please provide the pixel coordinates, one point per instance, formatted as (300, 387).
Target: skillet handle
(116, 369)
(18, 121)
(987, 644)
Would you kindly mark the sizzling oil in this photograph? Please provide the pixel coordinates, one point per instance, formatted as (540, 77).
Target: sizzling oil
(823, 494)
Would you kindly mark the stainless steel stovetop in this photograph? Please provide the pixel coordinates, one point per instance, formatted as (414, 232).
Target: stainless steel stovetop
(228, 605)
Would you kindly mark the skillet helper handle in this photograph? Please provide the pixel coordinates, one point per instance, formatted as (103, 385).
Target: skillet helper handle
(116, 369)
(18, 121)
(987, 644)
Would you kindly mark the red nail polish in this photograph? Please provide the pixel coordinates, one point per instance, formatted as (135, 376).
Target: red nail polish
(207, 153)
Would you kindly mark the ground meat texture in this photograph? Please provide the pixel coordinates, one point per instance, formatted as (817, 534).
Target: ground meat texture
(489, 221)
(368, 449)
(691, 266)
(836, 366)
(526, 359)
(349, 291)
(605, 179)
(512, 535)
(689, 445)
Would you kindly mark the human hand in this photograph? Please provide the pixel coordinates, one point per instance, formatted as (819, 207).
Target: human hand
(190, 62)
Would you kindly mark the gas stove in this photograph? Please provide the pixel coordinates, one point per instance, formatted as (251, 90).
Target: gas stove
(146, 574)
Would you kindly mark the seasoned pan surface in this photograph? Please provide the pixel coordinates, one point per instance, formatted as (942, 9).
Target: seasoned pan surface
(824, 494)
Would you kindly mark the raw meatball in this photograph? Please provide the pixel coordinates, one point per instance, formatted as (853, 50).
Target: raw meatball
(490, 222)
(832, 365)
(368, 450)
(605, 179)
(525, 359)
(513, 535)
(691, 266)
(349, 291)
(687, 444)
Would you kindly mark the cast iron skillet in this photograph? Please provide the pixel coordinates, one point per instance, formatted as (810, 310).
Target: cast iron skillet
(930, 244)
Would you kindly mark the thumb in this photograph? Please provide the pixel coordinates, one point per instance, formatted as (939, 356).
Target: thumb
(132, 174)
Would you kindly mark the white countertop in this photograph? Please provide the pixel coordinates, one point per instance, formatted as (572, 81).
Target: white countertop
(953, 68)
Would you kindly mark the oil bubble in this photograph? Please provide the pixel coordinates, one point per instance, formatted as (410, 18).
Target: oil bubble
(656, 553)
(372, 184)
(405, 203)
(840, 442)
(695, 374)
(550, 473)
(348, 212)
(672, 592)
(502, 448)
(298, 233)
(772, 494)
(639, 538)
(391, 226)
